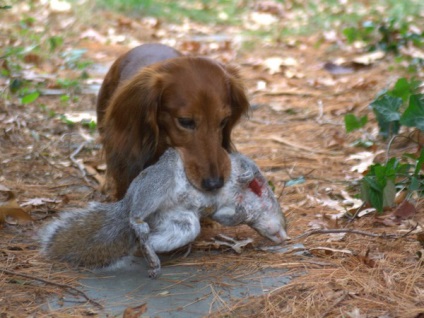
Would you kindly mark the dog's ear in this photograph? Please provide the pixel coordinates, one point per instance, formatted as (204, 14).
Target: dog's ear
(131, 128)
(239, 104)
(133, 110)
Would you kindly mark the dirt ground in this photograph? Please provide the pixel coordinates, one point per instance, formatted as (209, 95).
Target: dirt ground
(295, 133)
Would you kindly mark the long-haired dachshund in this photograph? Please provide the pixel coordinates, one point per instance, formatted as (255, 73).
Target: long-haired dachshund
(153, 98)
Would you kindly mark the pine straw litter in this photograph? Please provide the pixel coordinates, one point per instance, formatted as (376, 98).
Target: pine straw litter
(294, 134)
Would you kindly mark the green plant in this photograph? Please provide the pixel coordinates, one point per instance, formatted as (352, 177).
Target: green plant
(402, 105)
(212, 12)
(398, 106)
(389, 35)
(380, 184)
(353, 123)
(73, 59)
(30, 97)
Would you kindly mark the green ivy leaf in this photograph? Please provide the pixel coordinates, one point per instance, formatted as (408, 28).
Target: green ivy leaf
(389, 194)
(419, 164)
(55, 42)
(413, 116)
(404, 88)
(414, 185)
(353, 123)
(29, 98)
(386, 109)
(372, 193)
(351, 34)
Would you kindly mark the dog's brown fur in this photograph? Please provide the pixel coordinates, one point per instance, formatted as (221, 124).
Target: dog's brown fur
(153, 98)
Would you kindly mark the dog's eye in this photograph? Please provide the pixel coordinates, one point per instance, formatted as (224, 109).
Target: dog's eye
(224, 122)
(187, 123)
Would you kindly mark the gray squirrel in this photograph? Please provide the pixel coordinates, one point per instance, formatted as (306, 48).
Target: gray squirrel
(161, 212)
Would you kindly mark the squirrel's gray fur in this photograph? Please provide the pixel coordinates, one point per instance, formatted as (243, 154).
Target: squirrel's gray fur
(161, 212)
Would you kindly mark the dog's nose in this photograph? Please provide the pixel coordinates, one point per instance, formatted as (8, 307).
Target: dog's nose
(212, 184)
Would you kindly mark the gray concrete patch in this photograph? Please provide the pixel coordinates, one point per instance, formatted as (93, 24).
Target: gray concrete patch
(181, 291)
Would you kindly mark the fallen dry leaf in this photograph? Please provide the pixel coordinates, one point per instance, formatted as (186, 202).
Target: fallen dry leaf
(223, 240)
(400, 197)
(32, 58)
(10, 211)
(367, 260)
(387, 220)
(17, 215)
(405, 210)
(369, 58)
(366, 159)
(355, 313)
(366, 212)
(92, 172)
(39, 201)
(135, 312)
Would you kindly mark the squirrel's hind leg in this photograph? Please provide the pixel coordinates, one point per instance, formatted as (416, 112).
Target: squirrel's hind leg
(142, 231)
(167, 231)
(153, 260)
(174, 230)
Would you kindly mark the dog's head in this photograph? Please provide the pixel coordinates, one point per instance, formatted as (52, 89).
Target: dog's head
(188, 103)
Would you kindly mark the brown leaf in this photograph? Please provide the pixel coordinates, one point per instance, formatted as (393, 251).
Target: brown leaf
(405, 210)
(124, 22)
(32, 58)
(400, 197)
(135, 312)
(191, 46)
(9, 208)
(387, 220)
(17, 214)
(272, 7)
(92, 172)
(367, 260)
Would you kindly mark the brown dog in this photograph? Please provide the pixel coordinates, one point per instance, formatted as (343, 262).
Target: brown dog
(153, 98)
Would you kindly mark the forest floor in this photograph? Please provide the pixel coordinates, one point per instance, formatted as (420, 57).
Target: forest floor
(300, 88)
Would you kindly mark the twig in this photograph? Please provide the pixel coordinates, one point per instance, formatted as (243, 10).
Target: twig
(356, 212)
(384, 235)
(70, 289)
(410, 231)
(76, 163)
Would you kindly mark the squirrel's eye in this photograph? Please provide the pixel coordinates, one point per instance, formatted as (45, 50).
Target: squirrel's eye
(187, 123)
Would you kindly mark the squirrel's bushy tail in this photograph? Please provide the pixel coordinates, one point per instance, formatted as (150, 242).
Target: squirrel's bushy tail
(96, 236)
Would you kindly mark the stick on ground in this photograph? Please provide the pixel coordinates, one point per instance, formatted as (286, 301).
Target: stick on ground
(70, 289)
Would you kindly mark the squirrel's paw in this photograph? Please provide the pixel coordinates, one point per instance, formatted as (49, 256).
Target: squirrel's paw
(154, 272)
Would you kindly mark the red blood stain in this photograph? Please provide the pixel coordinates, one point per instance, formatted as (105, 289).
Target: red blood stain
(255, 187)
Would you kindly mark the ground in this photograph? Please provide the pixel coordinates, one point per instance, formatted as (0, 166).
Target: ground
(295, 133)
